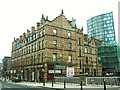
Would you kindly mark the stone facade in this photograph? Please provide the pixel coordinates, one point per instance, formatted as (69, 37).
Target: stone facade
(56, 43)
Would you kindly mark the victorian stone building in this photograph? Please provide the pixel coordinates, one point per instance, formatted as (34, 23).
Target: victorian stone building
(48, 50)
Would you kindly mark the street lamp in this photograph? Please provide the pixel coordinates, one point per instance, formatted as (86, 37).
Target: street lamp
(54, 70)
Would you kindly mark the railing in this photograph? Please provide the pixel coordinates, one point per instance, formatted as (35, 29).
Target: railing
(70, 80)
(113, 81)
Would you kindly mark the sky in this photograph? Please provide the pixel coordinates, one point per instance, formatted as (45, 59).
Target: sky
(16, 16)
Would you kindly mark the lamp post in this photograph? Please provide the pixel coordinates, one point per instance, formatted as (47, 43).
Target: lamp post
(54, 65)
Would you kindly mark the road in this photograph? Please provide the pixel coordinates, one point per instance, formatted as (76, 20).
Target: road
(14, 86)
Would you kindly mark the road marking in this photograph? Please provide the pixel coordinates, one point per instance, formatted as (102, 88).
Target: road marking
(6, 87)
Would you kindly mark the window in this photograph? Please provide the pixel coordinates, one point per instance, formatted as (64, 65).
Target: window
(70, 58)
(87, 70)
(39, 58)
(69, 45)
(69, 35)
(79, 41)
(34, 36)
(54, 42)
(43, 43)
(80, 64)
(86, 59)
(35, 47)
(54, 32)
(42, 57)
(39, 45)
(79, 52)
(26, 50)
(86, 50)
(54, 57)
(43, 32)
(30, 38)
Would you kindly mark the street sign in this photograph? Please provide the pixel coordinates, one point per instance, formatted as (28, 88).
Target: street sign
(70, 71)
(59, 67)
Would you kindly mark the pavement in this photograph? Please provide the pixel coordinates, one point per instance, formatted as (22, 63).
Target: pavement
(61, 85)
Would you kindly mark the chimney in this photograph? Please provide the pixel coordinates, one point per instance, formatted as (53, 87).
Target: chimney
(28, 33)
(20, 38)
(24, 35)
(32, 30)
(46, 17)
(38, 24)
(14, 38)
(42, 19)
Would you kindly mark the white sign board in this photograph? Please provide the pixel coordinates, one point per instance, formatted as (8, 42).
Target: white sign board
(70, 71)
(52, 71)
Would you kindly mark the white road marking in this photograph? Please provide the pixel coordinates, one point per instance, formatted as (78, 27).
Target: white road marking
(6, 87)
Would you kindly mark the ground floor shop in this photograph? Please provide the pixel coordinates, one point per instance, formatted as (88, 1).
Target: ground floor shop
(47, 72)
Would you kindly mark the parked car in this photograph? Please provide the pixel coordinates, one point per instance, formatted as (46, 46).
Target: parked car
(16, 79)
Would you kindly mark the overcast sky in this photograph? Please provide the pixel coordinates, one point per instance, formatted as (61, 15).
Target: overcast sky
(16, 16)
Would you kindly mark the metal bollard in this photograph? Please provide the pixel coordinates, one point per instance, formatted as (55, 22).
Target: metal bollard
(81, 85)
(104, 85)
(52, 83)
(64, 84)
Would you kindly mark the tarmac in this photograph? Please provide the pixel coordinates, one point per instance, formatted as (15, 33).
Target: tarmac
(61, 85)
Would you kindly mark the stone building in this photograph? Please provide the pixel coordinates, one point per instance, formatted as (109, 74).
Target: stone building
(51, 48)
(6, 61)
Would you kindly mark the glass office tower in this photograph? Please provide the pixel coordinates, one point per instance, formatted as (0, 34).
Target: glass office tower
(102, 27)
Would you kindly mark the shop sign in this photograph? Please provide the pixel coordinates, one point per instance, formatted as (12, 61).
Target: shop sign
(52, 71)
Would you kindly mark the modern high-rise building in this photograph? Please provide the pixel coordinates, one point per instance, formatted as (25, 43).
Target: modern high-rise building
(102, 27)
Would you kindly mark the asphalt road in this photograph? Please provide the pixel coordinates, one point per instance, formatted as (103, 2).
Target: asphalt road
(14, 86)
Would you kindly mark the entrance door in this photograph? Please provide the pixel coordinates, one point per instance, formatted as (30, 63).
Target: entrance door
(40, 75)
(50, 77)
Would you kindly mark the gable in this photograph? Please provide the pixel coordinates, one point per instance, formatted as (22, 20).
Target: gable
(62, 22)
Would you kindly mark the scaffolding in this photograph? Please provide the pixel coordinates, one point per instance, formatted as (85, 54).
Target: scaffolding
(109, 55)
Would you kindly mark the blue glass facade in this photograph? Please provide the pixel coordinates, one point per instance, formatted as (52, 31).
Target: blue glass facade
(102, 27)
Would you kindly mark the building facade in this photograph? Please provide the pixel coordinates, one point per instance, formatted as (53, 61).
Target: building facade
(110, 55)
(53, 47)
(1, 70)
(6, 61)
(102, 27)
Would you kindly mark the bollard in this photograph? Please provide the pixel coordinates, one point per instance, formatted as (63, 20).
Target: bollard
(64, 84)
(52, 83)
(43, 83)
(81, 85)
(104, 85)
